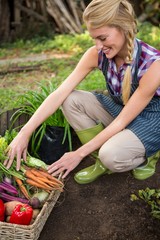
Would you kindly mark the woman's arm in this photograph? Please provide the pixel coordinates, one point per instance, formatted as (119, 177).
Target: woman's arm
(18, 146)
(55, 99)
(138, 101)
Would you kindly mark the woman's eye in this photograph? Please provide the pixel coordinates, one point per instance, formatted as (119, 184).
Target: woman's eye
(102, 39)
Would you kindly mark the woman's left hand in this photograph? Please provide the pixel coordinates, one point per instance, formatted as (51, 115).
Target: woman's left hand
(65, 164)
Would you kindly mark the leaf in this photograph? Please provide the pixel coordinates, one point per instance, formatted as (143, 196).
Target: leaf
(133, 197)
(30, 102)
(146, 194)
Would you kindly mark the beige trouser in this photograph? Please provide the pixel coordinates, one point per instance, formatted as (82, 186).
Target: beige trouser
(122, 152)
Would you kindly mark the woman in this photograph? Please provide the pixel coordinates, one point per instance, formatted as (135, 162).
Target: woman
(124, 125)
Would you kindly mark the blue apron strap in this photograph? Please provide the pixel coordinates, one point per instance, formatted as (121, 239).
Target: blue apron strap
(105, 66)
(135, 81)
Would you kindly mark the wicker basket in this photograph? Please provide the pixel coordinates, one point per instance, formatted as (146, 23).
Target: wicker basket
(10, 231)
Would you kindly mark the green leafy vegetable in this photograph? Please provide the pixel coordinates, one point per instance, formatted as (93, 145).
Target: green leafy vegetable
(3, 144)
(152, 198)
(10, 135)
(35, 162)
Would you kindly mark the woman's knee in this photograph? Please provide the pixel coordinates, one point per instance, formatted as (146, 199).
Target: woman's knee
(107, 156)
(122, 152)
(69, 101)
(110, 157)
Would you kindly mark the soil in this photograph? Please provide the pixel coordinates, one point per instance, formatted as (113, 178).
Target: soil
(103, 210)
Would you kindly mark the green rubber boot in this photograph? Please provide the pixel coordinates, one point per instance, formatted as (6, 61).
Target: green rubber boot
(145, 171)
(92, 172)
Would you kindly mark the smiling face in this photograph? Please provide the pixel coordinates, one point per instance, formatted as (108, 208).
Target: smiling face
(110, 40)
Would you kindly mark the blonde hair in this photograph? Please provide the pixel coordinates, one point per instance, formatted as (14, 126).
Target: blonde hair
(120, 14)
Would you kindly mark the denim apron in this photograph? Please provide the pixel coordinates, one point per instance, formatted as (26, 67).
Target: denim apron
(146, 126)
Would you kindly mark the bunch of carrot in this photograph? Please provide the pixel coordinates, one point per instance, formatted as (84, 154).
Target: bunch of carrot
(42, 179)
(39, 178)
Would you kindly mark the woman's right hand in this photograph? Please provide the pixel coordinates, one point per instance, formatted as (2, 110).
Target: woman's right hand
(17, 149)
(65, 164)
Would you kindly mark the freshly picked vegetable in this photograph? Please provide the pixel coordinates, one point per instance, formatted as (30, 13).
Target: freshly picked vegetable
(38, 199)
(22, 214)
(10, 135)
(9, 192)
(31, 184)
(3, 144)
(35, 162)
(3, 147)
(10, 206)
(40, 178)
(22, 188)
(9, 188)
(5, 141)
(27, 181)
(34, 215)
(2, 211)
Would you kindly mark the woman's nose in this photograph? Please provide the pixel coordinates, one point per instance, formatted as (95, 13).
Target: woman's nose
(99, 44)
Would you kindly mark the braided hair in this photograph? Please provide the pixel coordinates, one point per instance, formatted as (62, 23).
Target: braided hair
(120, 14)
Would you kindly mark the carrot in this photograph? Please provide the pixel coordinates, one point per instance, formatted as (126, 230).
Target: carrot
(43, 177)
(30, 175)
(36, 178)
(22, 187)
(47, 181)
(49, 176)
(37, 173)
(37, 184)
(54, 186)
